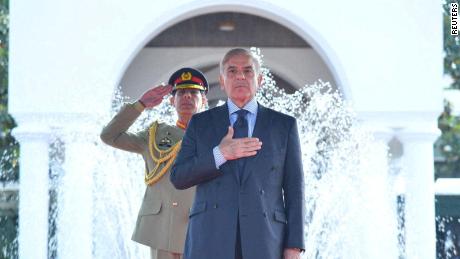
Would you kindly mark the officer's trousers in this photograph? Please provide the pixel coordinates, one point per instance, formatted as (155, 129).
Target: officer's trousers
(161, 254)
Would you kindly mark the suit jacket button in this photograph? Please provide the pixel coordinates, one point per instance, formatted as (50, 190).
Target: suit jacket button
(175, 204)
(215, 206)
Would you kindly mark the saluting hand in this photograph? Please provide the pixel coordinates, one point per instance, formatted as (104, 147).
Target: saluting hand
(154, 96)
(237, 148)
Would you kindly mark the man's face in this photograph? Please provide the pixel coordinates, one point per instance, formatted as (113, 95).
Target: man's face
(188, 101)
(240, 79)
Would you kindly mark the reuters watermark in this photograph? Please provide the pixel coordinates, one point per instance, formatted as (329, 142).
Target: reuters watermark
(454, 19)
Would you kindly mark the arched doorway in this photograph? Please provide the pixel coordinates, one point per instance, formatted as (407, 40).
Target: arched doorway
(201, 41)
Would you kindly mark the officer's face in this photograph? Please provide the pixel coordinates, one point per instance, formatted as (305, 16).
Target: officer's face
(188, 101)
(240, 80)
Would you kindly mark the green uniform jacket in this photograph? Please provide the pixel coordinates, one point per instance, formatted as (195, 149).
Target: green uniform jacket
(163, 216)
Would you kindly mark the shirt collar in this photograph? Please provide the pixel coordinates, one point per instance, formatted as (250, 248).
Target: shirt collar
(251, 106)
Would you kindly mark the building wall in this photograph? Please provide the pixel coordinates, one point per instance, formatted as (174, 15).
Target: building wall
(384, 55)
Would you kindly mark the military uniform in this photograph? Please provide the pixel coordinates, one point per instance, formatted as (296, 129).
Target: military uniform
(163, 216)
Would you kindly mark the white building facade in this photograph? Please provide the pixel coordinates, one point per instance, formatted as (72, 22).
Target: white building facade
(68, 57)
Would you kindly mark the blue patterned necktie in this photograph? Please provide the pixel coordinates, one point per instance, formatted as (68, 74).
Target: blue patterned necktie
(240, 126)
(241, 129)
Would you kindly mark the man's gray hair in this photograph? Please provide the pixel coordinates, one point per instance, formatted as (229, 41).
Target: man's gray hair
(240, 51)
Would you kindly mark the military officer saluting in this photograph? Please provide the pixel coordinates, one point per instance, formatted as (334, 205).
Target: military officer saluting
(163, 216)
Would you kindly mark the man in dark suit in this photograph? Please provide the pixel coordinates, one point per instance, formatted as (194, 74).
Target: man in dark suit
(249, 200)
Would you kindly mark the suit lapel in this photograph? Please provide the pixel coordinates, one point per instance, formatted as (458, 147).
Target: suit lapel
(221, 121)
(261, 131)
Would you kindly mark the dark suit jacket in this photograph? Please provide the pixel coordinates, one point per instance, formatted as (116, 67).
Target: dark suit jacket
(268, 200)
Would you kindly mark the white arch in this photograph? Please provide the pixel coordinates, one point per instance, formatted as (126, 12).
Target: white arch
(263, 9)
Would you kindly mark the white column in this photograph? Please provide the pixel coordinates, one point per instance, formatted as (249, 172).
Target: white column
(33, 191)
(418, 169)
(75, 200)
(387, 240)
